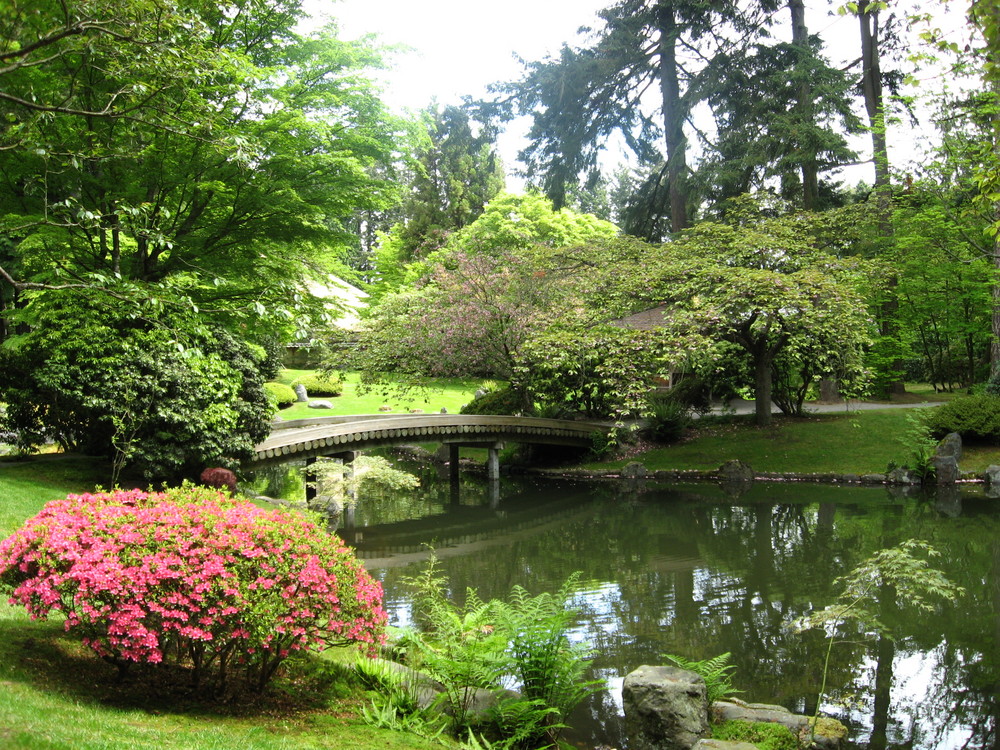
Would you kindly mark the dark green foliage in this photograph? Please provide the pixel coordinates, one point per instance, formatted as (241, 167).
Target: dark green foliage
(279, 394)
(975, 418)
(765, 735)
(320, 385)
(145, 384)
(501, 402)
(717, 672)
(668, 419)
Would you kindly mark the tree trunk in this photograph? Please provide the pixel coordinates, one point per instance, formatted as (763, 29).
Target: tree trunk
(673, 115)
(871, 86)
(762, 389)
(804, 105)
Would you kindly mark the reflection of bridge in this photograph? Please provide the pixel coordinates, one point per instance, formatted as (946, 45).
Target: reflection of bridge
(332, 436)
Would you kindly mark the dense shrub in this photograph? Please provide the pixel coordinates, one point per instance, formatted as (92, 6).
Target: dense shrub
(190, 576)
(156, 390)
(500, 402)
(279, 394)
(320, 385)
(975, 418)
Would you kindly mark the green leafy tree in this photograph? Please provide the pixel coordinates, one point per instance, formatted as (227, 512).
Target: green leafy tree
(761, 286)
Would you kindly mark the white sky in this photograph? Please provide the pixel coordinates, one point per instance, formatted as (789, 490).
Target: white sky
(461, 46)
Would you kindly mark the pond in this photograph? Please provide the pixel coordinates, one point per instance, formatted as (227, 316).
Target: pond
(698, 571)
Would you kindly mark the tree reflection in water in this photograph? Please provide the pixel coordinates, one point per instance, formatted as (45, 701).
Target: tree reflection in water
(692, 570)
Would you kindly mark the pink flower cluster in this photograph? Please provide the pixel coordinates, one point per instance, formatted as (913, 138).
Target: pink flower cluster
(190, 574)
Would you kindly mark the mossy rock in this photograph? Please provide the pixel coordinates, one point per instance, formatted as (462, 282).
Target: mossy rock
(762, 734)
(828, 733)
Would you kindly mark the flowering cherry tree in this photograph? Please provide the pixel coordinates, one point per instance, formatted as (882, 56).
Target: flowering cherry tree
(191, 576)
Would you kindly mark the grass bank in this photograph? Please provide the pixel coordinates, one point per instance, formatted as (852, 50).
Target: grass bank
(444, 393)
(863, 442)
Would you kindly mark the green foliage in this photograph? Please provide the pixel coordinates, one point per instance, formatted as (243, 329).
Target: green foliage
(147, 384)
(280, 395)
(717, 673)
(502, 401)
(975, 418)
(763, 735)
(920, 446)
(521, 643)
(668, 419)
(335, 478)
(318, 384)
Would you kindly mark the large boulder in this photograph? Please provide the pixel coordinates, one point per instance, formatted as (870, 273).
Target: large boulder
(950, 445)
(301, 395)
(666, 708)
(945, 469)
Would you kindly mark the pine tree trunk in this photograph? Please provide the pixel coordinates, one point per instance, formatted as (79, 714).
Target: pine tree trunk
(673, 115)
(804, 105)
(871, 86)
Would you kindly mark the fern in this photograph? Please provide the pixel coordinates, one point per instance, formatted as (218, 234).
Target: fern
(717, 673)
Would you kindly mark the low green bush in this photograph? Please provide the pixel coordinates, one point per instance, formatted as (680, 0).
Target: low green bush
(320, 385)
(501, 402)
(279, 394)
(975, 418)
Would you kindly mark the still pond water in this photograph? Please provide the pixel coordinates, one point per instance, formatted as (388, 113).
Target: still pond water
(697, 571)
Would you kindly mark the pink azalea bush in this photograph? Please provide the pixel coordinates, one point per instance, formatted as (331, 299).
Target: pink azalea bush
(191, 576)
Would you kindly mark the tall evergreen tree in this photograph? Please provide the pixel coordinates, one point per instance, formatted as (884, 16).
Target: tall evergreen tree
(580, 98)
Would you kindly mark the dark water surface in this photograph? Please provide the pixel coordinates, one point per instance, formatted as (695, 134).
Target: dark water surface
(697, 571)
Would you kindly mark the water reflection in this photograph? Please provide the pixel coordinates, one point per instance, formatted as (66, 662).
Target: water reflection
(695, 571)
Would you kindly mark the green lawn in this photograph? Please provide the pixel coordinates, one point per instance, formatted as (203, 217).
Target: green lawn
(858, 443)
(447, 393)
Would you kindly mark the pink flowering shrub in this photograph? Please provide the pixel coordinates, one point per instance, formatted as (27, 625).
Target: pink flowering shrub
(190, 576)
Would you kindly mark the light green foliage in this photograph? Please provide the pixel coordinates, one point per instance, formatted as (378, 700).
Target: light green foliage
(217, 151)
(520, 644)
(763, 735)
(919, 444)
(319, 384)
(717, 673)
(366, 472)
(279, 394)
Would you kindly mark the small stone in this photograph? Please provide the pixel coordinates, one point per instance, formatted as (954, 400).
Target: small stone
(444, 410)
(320, 404)
(708, 744)
(992, 475)
(416, 411)
(634, 470)
(385, 407)
(665, 708)
(735, 471)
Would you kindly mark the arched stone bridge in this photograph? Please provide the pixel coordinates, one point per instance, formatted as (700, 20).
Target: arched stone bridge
(325, 436)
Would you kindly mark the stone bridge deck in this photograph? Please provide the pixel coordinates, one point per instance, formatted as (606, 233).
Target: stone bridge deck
(323, 436)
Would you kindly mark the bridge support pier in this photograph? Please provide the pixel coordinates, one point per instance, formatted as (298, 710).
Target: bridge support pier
(493, 462)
